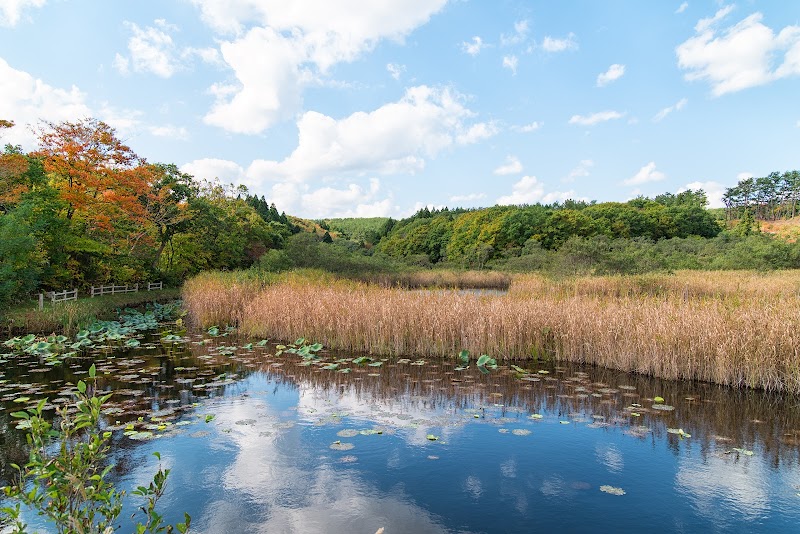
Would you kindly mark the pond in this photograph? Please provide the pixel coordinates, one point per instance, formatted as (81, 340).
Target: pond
(263, 443)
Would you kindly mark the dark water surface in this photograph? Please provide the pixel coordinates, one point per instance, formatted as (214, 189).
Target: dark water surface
(258, 443)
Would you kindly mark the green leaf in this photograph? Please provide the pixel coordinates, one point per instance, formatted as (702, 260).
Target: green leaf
(92, 371)
(483, 360)
(81, 386)
(20, 415)
(431, 437)
(658, 399)
(375, 364)
(464, 356)
(213, 331)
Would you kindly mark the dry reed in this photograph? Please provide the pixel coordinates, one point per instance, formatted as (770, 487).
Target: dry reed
(737, 329)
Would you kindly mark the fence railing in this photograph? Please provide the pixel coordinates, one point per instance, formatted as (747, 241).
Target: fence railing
(58, 296)
(113, 290)
(72, 294)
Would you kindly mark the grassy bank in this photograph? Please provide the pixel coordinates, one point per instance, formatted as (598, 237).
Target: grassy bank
(69, 317)
(737, 329)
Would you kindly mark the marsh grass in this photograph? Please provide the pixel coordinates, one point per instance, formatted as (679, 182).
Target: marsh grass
(68, 317)
(738, 329)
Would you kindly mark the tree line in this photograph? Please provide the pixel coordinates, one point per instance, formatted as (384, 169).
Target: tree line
(768, 198)
(84, 209)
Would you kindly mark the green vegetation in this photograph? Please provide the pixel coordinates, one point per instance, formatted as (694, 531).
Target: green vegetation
(84, 209)
(69, 317)
(66, 477)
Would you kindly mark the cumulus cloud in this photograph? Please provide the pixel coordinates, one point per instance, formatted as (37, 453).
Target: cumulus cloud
(151, 50)
(580, 171)
(11, 10)
(595, 118)
(521, 29)
(473, 47)
(395, 138)
(169, 131)
(714, 192)
(682, 8)
(510, 63)
(477, 132)
(529, 190)
(511, 166)
(280, 47)
(646, 174)
(614, 72)
(679, 105)
(747, 54)
(211, 169)
(552, 44)
(526, 128)
(25, 100)
(395, 70)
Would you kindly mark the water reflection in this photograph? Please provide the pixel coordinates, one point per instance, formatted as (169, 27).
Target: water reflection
(267, 444)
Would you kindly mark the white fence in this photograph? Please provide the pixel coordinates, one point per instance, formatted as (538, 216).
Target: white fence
(58, 296)
(112, 289)
(72, 294)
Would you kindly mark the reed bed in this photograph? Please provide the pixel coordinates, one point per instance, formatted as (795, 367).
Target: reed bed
(736, 329)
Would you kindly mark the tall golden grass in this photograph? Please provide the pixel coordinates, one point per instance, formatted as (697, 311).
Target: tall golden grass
(737, 329)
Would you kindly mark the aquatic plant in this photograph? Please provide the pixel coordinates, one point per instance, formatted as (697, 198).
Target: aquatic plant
(731, 328)
(66, 477)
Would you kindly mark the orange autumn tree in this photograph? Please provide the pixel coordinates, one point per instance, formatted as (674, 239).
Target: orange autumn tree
(102, 183)
(13, 166)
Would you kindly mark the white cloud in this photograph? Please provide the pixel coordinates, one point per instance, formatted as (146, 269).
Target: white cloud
(551, 44)
(354, 201)
(210, 168)
(595, 118)
(682, 8)
(267, 67)
(125, 121)
(511, 166)
(11, 10)
(151, 50)
(169, 131)
(744, 176)
(477, 132)
(614, 72)
(528, 190)
(521, 30)
(679, 105)
(798, 124)
(646, 174)
(526, 128)
(714, 192)
(747, 54)
(472, 197)
(289, 45)
(510, 62)
(582, 170)
(395, 138)
(395, 70)
(474, 47)
(25, 100)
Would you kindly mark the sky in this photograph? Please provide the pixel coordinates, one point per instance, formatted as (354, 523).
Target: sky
(347, 108)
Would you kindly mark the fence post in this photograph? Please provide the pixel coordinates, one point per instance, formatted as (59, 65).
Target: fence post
(41, 301)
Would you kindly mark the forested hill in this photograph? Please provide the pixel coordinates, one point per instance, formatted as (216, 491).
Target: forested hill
(474, 237)
(84, 209)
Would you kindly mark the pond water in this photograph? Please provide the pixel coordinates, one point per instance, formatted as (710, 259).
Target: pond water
(259, 443)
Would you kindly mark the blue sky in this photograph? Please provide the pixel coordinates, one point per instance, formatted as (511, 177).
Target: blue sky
(348, 108)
